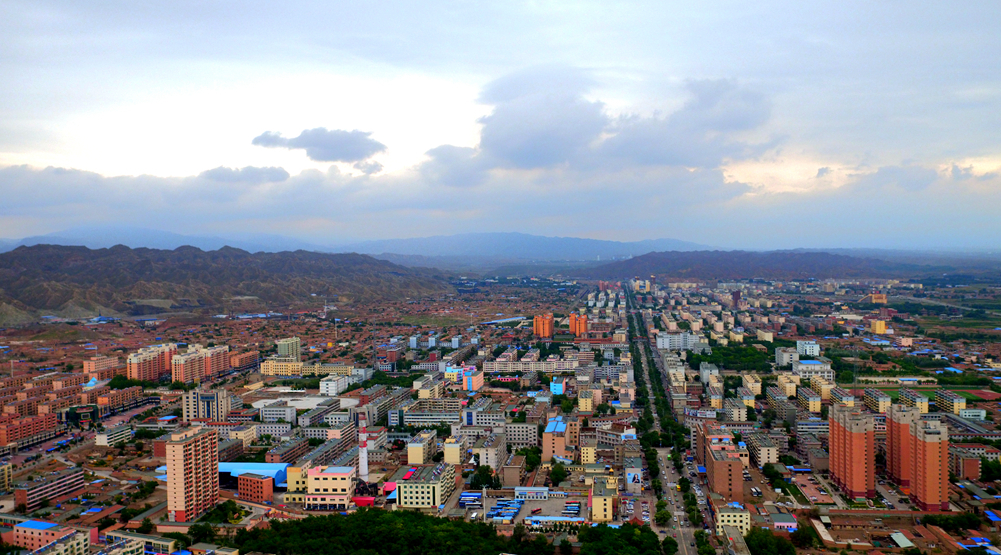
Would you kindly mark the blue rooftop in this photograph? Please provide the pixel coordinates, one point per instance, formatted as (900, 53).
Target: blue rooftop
(809, 362)
(37, 525)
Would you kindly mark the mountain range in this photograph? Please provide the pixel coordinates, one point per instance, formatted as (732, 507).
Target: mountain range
(78, 281)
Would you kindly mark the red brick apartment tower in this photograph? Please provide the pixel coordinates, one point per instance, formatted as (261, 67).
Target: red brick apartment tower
(192, 474)
(853, 456)
(930, 448)
(899, 461)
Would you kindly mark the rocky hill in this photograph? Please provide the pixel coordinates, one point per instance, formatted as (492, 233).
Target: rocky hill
(77, 281)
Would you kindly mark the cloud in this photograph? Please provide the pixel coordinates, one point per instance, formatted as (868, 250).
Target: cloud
(249, 174)
(323, 145)
(908, 177)
(823, 172)
(454, 166)
(702, 133)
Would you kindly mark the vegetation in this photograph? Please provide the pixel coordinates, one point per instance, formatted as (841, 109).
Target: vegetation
(484, 477)
(224, 512)
(764, 542)
(953, 523)
(533, 457)
(558, 474)
(626, 540)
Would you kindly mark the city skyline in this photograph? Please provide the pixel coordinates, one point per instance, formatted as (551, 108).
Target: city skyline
(739, 126)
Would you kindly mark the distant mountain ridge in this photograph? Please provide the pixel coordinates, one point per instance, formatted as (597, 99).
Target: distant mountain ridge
(518, 246)
(77, 281)
(786, 265)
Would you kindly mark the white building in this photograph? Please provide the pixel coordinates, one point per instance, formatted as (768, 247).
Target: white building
(808, 348)
(334, 385)
(113, 436)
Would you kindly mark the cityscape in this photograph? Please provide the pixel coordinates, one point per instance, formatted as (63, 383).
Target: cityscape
(500, 278)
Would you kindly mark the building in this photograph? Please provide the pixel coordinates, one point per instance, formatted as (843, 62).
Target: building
(150, 543)
(735, 411)
(785, 356)
(334, 384)
(877, 327)
(911, 398)
(948, 401)
(192, 473)
(103, 368)
(853, 451)
(422, 447)
(23, 430)
(725, 472)
(424, 487)
(214, 405)
(34, 535)
(733, 514)
(842, 397)
(746, 397)
(330, 488)
(604, 492)
(678, 341)
(876, 400)
(6, 477)
(454, 450)
(752, 382)
(290, 347)
(554, 439)
(49, 488)
(199, 363)
(964, 464)
(808, 399)
(288, 452)
(490, 450)
(930, 455)
(542, 326)
(807, 369)
(899, 464)
(256, 488)
(110, 437)
(578, 324)
(807, 348)
(762, 450)
(244, 361)
(279, 411)
(151, 364)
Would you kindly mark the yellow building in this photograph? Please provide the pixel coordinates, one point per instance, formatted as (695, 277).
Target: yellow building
(425, 488)
(604, 491)
(6, 477)
(735, 515)
(455, 450)
(911, 398)
(808, 399)
(281, 366)
(876, 400)
(877, 326)
(296, 479)
(752, 382)
(788, 384)
(433, 390)
(736, 337)
(585, 401)
(949, 401)
(589, 451)
(422, 447)
(821, 386)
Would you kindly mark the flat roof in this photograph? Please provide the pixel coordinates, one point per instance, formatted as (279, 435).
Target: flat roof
(37, 525)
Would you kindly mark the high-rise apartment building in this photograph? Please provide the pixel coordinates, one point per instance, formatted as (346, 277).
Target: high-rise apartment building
(199, 363)
(853, 451)
(899, 464)
(151, 364)
(542, 325)
(930, 456)
(578, 324)
(290, 347)
(192, 473)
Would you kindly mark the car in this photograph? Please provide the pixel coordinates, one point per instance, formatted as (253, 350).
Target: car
(692, 544)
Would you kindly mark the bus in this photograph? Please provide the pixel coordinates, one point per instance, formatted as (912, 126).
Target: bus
(536, 510)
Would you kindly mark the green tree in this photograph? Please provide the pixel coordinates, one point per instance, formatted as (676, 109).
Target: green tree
(670, 546)
(662, 517)
(764, 542)
(484, 477)
(558, 474)
(201, 532)
(146, 527)
(805, 536)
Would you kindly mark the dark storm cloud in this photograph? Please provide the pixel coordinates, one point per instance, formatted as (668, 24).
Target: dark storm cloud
(249, 174)
(323, 145)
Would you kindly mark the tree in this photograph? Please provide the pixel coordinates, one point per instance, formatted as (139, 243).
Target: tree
(670, 546)
(764, 542)
(804, 537)
(146, 527)
(201, 532)
(484, 477)
(558, 474)
(566, 548)
(662, 517)
(685, 484)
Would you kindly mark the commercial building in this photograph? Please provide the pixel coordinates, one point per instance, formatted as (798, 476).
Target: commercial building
(329, 488)
(192, 473)
(948, 401)
(876, 400)
(49, 488)
(151, 364)
(424, 487)
(214, 405)
(809, 368)
(113, 436)
(604, 492)
(911, 398)
(22, 430)
(852, 451)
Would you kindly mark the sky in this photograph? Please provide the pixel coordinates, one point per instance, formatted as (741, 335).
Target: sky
(735, 124)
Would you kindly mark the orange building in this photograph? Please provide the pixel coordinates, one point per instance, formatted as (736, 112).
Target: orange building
(149, 364)
(930, 455)
(256, 488)
(899, 464)
(14, 429)
(578, 324)
(199, 363)
(853, 451)
(542, 325)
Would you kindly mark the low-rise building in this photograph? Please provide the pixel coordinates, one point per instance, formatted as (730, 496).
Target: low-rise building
(329, 488)
(424, 487)
(256, 488)
(876, 400)
(911, 398)
(949, 401)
